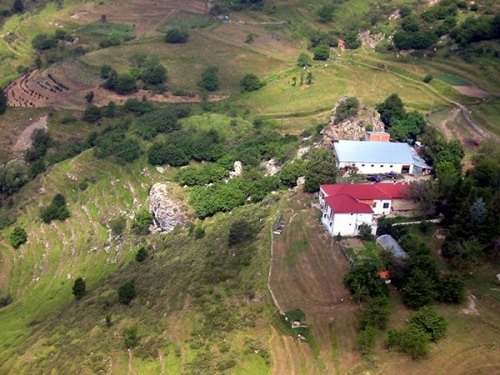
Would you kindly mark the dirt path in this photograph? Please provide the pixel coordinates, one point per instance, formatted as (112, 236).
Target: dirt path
(473, 126)
(24, 140)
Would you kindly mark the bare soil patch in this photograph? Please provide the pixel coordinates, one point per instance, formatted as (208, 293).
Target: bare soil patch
(24, 140)
(472, 91)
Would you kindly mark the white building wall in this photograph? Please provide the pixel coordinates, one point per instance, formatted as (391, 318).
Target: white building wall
(345, 224)
(381, 207)
(376, 168)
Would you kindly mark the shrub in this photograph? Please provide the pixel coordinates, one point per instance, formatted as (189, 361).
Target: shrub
(141, 222)
(142, 254)
(347, 108)
(79, 288)
(126, 292)
(130, 337)
(365, 232)
(428, 78)
(365, 340)
(57, 210)
(176, 36)
(92, 114)
(431, 322)
(251, 82)
(321, 53)
(209, 79)
(118, 225)
(411, 340)
(17, 237)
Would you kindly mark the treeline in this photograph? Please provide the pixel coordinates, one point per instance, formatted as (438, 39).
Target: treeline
(424, 30)
(148, 70)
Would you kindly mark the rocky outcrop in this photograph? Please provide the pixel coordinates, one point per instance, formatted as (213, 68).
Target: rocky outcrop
(351, 128)
(271, 167)
(167, 213)
(367, 38)
(237, 170)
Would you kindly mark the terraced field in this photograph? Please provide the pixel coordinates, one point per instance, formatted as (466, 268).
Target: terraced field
(39, 275)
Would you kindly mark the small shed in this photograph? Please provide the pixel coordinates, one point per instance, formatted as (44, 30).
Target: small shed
(388, 243)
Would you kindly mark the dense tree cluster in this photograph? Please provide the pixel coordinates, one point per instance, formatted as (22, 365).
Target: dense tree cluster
(3, 101)
(424, 30)
(79, 288)
(13, 176)
(57, 210)
(471, 210)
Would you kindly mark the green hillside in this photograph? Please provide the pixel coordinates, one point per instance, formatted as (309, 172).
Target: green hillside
(202, 301)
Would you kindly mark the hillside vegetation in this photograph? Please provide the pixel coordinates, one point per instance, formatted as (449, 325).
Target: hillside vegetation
(106, 99)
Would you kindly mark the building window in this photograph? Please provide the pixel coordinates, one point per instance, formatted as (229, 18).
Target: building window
(386, 205)
(373, 165)
(381, 165)
(362, 165)
(324, 216)
(374, 204)
(391, 166)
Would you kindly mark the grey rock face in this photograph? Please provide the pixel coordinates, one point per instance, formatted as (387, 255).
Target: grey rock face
(167, 213)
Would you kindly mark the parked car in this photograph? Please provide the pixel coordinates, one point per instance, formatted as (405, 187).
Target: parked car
(375, 178)
(392, 175)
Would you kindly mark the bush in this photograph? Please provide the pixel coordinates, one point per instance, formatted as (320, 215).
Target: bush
(240, 231)
(141, 222)
(347, 108)
(431, 322)
(365, 232)
(118, 225)
(142, 254)
(321, 53)
(130, 337)
(17, 237)
(251, 82)
(57, 210)
(209, 79)
(428, 78)
(126, 292)
(79, 288)
(176, 36)
(365, 340)
(92, 114)
(411, 340)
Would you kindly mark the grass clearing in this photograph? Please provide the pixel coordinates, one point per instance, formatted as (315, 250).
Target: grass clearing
(186, 20)
(108, 29)
(452, 80)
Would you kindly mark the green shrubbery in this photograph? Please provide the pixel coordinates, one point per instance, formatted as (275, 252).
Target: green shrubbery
(17, 237)
(57, 210)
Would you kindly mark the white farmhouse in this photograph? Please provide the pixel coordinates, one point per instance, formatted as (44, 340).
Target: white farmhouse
(378, 157)
(344, 207)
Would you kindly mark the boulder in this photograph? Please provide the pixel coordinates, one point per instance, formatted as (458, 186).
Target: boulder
(237, 169)
(167, 213)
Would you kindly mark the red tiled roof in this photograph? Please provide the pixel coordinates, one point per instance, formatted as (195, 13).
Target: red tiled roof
(384, 274)
(367, 191)
(346, 204)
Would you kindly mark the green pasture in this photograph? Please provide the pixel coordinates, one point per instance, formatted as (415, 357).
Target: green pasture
(229, 127)
(185, 62)
(186, 20)
(331, 81)
(452, 80)
(108, 29)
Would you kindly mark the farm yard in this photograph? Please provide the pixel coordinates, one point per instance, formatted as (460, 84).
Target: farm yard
(307, 274)
(308, 269)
